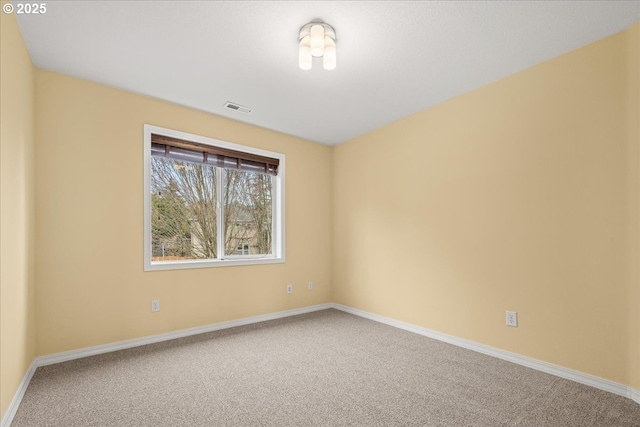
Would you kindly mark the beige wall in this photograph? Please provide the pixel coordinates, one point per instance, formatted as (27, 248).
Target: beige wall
(516, 196)
(17, 304)
(633, 158)
(91, 287)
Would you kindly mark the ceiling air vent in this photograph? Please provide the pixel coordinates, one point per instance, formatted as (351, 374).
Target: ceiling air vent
(236, 107)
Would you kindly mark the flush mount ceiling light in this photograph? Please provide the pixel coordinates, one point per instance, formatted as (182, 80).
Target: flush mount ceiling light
(317, 39)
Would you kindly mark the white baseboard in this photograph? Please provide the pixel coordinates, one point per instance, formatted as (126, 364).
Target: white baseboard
(17, 398)
(152, 339)
(136, 342)
(559, 371)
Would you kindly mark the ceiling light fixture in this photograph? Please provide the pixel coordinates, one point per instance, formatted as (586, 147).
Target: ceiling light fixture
(317, 39)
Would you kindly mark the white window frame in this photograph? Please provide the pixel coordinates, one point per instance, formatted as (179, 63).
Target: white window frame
(278, 205)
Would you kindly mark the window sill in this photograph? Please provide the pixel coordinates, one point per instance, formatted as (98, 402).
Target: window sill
(229, 262)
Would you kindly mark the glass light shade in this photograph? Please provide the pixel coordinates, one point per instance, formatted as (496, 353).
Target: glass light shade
(305, 60)
(317, 40)
(329, 57)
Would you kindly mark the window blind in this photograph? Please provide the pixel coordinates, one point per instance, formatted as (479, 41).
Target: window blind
(188, 151)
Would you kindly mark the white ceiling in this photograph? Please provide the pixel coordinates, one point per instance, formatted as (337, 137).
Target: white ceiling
(394, 58)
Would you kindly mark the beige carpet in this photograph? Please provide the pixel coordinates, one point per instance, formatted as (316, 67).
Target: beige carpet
(321, 369)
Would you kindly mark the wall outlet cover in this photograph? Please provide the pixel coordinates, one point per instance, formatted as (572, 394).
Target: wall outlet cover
(512, 319)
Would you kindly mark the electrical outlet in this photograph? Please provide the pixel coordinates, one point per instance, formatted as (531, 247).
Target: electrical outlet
(310, 286)
(289, 289)
(155, 305)
(512, 319)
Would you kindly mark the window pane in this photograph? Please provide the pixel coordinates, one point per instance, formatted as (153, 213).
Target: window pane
(247, 213)
(183, 210)
(242, 249)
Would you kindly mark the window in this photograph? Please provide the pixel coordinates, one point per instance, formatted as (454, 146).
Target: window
(242, 249)
(210, 203)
